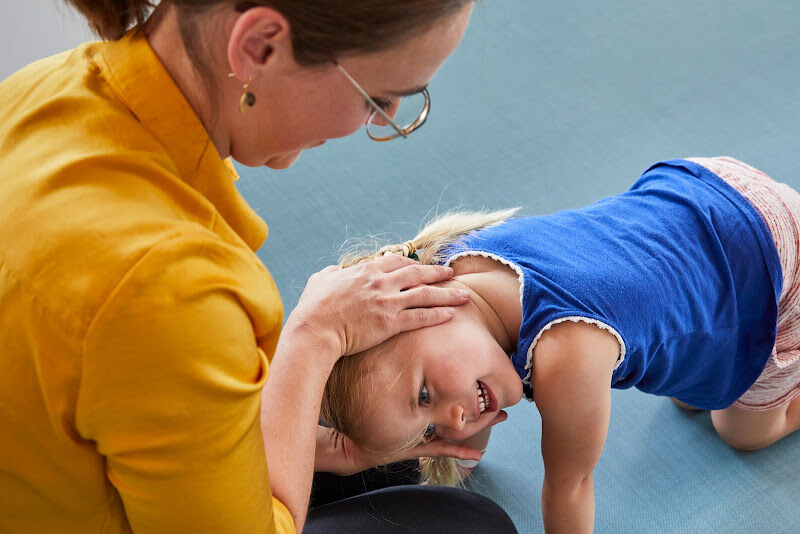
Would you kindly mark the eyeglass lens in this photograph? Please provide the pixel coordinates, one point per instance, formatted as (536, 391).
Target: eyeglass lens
(409, 111)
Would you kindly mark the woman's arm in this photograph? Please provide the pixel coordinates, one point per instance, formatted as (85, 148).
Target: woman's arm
(341, 312)
(573, 363)
(170, 390)
(290, 404)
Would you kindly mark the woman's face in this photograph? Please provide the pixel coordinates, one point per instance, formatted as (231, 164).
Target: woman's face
(300, 107)
(450, 379)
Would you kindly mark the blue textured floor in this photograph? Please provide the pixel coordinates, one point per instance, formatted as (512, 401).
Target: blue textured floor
(552, 105)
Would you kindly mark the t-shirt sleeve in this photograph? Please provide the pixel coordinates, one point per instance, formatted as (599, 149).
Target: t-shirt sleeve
(174, 363)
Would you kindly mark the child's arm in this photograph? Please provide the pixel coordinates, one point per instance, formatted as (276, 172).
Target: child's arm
(573, 363)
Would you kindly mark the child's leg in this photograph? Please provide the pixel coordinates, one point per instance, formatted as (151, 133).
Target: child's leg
(684, 406)
(770, 409)
(750, 430)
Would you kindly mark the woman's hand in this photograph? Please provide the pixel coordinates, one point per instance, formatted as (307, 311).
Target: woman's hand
(336, 453)
(356, 308)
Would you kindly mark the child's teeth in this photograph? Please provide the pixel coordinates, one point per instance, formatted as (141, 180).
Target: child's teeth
(483, 397)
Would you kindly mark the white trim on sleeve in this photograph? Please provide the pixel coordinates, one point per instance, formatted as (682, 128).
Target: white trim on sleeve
(574, 319)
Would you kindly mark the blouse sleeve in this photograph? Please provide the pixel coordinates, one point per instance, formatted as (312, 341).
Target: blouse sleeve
(173, 366)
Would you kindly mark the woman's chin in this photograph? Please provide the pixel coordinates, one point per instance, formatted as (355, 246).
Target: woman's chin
(282, 161)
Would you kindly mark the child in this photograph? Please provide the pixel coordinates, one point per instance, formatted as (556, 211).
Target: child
(684, 286)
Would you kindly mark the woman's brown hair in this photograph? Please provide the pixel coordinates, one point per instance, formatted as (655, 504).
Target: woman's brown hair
(320, 28)
(111, 18)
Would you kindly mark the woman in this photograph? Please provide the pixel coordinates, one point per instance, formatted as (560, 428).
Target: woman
(138, 326)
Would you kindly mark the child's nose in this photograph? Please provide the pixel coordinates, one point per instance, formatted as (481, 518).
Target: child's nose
(456, 418)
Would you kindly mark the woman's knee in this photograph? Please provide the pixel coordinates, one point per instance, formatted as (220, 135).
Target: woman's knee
(422, 509)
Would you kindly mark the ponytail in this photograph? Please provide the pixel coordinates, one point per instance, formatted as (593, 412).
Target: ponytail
(110, 19)
(442, 471)
(430, 243)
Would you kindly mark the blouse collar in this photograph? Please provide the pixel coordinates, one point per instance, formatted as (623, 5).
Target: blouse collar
(145, 87)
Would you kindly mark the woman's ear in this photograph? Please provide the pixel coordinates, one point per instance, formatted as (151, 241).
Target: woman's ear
(258, 35)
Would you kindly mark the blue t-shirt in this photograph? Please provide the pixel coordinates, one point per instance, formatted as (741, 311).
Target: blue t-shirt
(681, 269)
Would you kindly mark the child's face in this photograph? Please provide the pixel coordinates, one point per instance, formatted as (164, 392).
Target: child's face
(436, 378)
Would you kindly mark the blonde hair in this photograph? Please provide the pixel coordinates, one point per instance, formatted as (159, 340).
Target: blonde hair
(432, 241)
(345, 401)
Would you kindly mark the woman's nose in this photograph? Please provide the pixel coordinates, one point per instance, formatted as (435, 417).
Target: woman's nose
(376, 118)
(392, 111)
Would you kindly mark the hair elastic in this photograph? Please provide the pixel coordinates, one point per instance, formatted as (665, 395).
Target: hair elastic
(407, 250)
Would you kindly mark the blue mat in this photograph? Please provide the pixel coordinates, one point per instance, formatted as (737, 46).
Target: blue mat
(553, 105)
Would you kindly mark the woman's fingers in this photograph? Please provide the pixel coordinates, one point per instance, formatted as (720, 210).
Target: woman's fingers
(430, 296)
(499, 418)
(421, 318)
(427, 306)
(445, 448)
(359, 307)
(393, 262)
(416, 274)
(441, 447)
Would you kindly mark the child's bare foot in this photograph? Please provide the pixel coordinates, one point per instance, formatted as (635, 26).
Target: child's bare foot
(685, 406)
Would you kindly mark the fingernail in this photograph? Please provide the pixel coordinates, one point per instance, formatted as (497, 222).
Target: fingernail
(463, 293)
(449, 311)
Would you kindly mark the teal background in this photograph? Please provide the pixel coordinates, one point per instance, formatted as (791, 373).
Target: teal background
(553, 105)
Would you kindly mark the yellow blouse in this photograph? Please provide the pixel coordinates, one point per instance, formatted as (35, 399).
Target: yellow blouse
(136, 321)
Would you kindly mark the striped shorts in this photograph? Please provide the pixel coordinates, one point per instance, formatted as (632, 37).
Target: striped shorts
(779, 205)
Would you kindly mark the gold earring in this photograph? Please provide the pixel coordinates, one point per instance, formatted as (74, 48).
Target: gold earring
(248, 99)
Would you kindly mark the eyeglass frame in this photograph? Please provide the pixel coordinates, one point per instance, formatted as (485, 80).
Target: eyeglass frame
(401, 131)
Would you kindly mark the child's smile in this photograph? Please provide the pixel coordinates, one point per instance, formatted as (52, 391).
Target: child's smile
(486, 401)
(447, 381)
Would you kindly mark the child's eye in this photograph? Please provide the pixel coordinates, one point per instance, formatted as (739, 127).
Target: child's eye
(429, 431)
(424, 397)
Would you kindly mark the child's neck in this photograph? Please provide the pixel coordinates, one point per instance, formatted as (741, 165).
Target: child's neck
(496, 295)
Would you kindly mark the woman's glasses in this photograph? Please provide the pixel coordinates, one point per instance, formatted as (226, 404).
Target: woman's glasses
(412, 112)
